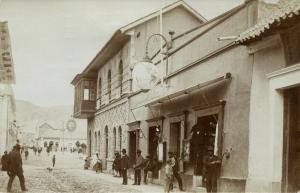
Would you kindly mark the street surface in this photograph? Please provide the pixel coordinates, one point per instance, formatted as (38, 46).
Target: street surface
(67, 176)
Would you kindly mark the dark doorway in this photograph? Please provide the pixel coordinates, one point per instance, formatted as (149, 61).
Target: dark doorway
(90, 144)
(203, 138)
(132, 146)
(174, 145)
(291, 150)
(154, 133)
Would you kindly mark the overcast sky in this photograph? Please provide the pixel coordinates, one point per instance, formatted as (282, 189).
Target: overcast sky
(53, 40)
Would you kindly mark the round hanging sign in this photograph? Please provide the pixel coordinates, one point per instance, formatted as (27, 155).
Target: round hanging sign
(71, 125)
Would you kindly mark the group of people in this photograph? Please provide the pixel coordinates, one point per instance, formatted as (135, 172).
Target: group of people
(12, 164)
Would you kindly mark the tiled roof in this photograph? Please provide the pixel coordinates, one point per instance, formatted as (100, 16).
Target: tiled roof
(285, 10)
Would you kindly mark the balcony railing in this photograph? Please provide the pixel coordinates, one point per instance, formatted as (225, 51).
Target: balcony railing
(84, 109)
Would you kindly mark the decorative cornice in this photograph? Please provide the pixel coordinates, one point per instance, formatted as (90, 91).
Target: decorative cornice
(283, 71)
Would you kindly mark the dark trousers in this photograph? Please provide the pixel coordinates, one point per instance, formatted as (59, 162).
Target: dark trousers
(124, 175)
(21, 179)
(137, 176)
(178, 178)
(211, 183)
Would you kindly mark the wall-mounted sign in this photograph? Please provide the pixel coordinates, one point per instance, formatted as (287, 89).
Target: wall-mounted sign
(186, 150)
(71, 125)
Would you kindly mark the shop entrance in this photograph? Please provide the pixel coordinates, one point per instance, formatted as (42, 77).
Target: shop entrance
(132, 146)
(175, 134)
(154, 133)
(291, 149)
(203, 138)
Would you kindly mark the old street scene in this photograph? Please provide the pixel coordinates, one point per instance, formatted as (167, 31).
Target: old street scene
(150, 96)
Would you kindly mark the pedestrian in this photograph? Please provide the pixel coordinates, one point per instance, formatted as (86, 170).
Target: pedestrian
(176, 172)
(116, 164)
(26, 153)
(53, 160)
(48, 150)
(169, 175)
(15, 168)
(212, 167)
(4, 162)
(98, 166)
(39, 150)
(124, 166)
(147, 167)
(34, 150)
(138, 167)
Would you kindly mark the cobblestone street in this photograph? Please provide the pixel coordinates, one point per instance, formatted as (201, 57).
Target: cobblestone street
(67, 176)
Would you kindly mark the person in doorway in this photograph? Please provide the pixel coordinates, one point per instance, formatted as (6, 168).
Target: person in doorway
(212, 167)
(26, 153)
(15, 168)
(169, 175)
(124, 166)
(4, 162)
(138, 167)
(147, 167)
(98, 166)
(53, 160)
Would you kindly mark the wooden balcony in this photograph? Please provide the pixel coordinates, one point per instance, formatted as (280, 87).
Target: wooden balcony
(84, 109)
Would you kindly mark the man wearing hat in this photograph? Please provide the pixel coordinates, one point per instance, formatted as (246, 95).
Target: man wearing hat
(15, 168)
(138, 167)
(212, 167)
(124, 166)
(147, 167)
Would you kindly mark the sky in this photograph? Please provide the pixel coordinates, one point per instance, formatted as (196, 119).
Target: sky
(53, 40)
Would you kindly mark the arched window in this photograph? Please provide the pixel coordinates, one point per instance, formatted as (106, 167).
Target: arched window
(99, 90)
(120, 138)
(95, 143)
(106, 142)
(99, 144)
(115, 140)
(121, 76)
(109, 84)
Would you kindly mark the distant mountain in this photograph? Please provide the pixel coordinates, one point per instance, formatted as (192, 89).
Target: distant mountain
(31, 116)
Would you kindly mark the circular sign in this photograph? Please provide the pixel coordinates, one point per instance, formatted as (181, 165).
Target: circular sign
(71, 125)
(145, 74)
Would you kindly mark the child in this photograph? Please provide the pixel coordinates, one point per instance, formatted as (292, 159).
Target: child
(169, 175)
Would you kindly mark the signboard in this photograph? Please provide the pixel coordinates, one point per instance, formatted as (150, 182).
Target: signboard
(71, 125)
(186, 150)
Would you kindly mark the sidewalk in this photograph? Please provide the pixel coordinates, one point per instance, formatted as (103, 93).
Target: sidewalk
(145, 188)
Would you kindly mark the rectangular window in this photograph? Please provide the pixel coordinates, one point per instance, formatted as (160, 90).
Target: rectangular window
(86, 94)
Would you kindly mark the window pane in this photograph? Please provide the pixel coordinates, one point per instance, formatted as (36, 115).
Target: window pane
(86, 94)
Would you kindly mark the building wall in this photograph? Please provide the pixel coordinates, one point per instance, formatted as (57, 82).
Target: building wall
(114, 114)
(236, 93)
(265, 61)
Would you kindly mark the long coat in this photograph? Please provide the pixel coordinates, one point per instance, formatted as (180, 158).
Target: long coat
(125, 162)
(15, 162)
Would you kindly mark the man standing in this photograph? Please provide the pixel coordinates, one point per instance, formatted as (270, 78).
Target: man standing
(124, 166)
(138, 167)
(212, 166)
(148, 167)
(176, 172)
(15, 168)
(53, 160)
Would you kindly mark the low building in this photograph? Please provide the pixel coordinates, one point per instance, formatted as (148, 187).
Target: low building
(52, 132)
(8, 129)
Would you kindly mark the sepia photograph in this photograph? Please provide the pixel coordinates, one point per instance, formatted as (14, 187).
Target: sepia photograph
(150, 96)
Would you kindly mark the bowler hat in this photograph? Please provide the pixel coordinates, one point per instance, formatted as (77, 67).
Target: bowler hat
(123, 150)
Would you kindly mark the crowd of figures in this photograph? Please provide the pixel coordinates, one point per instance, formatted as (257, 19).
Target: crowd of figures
(121, 164)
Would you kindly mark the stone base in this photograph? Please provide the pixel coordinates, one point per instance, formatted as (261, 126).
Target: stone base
(231, 185)
(262, 185)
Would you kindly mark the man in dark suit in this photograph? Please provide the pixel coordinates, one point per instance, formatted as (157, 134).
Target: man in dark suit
(15, 168)
(124, 166)
(212, 165)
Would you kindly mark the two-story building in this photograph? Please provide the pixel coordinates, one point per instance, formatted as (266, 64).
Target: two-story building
(102, 89)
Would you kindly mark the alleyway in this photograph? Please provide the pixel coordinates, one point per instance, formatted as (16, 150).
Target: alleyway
(66, 177)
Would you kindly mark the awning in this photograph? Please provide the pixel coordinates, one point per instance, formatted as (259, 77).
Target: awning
(189, 90)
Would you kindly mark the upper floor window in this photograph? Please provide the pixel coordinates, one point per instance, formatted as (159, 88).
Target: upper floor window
(109, 84)
(291, 43)
(99, 89)
(121, 76)
(86, 94)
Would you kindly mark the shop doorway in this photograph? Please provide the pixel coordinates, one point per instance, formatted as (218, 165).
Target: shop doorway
(291, 149)
(203, 139)
(154, 133)
(175, 134)
(132, 147)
